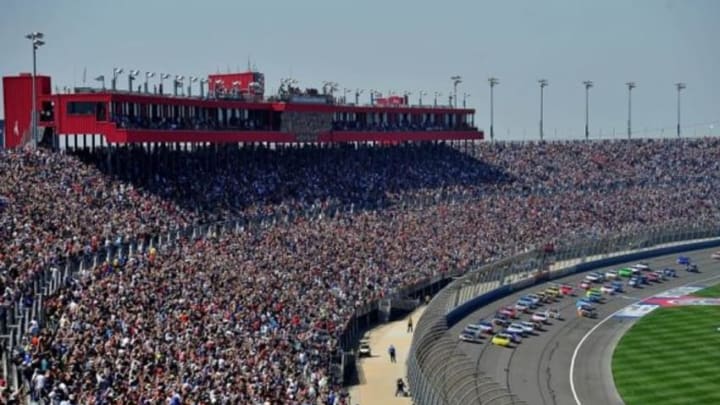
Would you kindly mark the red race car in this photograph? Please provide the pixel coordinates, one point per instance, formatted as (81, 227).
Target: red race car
(508, 311)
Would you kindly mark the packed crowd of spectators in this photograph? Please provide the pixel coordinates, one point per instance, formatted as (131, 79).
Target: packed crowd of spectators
(255, 317)
(402, 125)
(189, 123)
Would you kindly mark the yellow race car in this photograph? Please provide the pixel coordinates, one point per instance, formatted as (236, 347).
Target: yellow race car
(553, 292)
(501, 339)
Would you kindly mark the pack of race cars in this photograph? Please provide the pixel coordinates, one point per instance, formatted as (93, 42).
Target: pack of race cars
(506, 327)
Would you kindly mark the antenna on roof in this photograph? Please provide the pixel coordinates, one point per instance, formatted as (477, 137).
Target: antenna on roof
(249, 69)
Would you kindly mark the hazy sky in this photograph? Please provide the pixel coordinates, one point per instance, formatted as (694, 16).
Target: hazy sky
(407, 45)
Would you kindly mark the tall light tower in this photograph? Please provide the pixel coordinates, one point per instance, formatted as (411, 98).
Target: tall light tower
(630, 86)
(191, 80)
(132, 74)
(543, 84)
(148, 75)
(203, 82)
(493, 81)
(588, 84)
(358, 92)
(456, 80)
(680, 87)
(36, 39)
(437, 93)
(116, 72)
(163, 76)
(421, 93)
(465, 97)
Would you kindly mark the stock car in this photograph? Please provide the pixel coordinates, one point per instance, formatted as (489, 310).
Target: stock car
(583, 302)
(642, 267)
(585, 285)
(554, 314)
(617, 286)
(652, 277)
(541, 317)
(669, 272)
(607, 288)
(567, 289)
(471, 336)
(683, 260)
(501, 322)
(514, 337)
(593, 296)
(515, 329)
(635, 282)
(522, 306)
(586, 311)
(530, 326)
(626, 272)
(595, 277)
(660, 274)
(716, 255)
(611, 274)
(553, 292)
(536, 299)
(485, 326)
(527, 302)
(692, 268)
(510, 312)
(501, 339)
(525, 327)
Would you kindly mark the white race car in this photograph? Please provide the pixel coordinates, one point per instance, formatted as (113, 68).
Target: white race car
(530, 326)
(525, 327)
(716, 255)
(516, 329)
(594, 277)
(474, 337)
(539, 317)
(611, 275)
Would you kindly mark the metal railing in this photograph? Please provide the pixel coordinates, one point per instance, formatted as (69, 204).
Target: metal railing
(439, 373)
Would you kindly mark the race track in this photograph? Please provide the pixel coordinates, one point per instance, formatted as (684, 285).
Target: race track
(538, 369)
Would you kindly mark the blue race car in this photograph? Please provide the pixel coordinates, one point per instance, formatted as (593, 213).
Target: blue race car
(617, 286)
(635, 282)
(683, 260)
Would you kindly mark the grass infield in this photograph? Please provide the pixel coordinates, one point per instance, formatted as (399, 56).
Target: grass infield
(671, 356)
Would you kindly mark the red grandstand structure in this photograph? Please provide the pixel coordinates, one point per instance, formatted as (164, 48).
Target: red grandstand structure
(234, 110)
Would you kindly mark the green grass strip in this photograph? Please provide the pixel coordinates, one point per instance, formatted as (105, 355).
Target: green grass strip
(671, 356)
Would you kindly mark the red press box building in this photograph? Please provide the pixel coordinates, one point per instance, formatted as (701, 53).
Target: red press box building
(234, 110)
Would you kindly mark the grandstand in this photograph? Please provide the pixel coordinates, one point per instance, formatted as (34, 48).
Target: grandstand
(118, 289)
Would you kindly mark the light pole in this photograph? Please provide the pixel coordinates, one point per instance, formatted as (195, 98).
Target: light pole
(163, 76)
(465, 97)
(116, 72)
(680, 86)
(148, 75)
(191, 80)
(36, 39)
(437, 93)
(456, 80)
(203, 82)
(131, 77)
(588, 84)
(358, 92)
(630, 86)
(346, 91)
(543, 84)
(493, 81)
(421, 93)
(406, 97)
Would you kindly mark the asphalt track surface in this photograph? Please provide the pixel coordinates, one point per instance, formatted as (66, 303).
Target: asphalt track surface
(538, 369)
